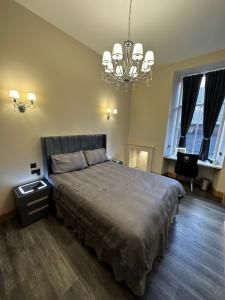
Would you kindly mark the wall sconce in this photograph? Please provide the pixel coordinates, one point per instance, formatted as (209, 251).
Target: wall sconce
(111, 113)
(19, 105)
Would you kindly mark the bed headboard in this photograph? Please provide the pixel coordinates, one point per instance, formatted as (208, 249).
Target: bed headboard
(66, 144)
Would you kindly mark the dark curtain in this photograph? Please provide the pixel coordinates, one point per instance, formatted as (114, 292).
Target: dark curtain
(191, 85)
(214, 97)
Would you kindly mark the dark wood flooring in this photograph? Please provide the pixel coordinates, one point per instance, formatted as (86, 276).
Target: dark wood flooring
(45, 261)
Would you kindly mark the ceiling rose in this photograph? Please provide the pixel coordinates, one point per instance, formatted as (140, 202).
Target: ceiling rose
(127, 63)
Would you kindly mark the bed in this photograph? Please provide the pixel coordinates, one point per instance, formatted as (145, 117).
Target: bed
(124, 214)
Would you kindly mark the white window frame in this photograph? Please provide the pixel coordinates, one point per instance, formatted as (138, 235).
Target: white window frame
(175, 114)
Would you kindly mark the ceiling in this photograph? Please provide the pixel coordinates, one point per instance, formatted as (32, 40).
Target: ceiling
(173, 29)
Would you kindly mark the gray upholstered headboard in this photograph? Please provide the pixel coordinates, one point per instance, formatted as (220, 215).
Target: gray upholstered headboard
(66, 144)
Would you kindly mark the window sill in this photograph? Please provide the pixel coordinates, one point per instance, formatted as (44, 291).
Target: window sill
(201, 163)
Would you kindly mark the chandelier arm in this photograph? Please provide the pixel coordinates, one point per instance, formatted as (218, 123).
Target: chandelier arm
(114, 77)
(142, 78)
(110, 79)
(125, 69)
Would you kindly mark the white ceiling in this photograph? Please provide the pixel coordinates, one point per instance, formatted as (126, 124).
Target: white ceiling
(174, 29)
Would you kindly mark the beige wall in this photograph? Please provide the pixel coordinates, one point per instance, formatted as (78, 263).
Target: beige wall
(72, 98)
(150, 110)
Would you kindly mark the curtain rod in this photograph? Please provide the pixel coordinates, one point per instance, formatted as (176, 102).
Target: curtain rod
(204, 72)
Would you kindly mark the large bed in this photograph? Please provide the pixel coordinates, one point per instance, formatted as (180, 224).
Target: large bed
(124, 214)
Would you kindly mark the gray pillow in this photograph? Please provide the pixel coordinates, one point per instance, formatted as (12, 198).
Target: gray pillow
(96, 156)
(62, 163)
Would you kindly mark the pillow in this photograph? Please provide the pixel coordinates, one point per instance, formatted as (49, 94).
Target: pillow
(96, 156)
(62, 163)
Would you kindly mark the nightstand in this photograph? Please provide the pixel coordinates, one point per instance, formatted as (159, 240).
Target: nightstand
(33, 200)
(117, 161)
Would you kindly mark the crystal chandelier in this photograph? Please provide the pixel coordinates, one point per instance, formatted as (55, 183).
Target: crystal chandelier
(128, 63)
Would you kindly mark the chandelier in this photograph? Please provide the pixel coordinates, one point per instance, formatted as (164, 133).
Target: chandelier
(127, 63)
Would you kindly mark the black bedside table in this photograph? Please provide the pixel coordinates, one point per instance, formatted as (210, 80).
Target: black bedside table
(33, 200)
(117, 161)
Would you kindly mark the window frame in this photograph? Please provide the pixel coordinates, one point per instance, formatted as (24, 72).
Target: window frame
(175, 114)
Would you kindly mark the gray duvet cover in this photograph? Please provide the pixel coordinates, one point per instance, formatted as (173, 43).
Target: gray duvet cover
(124, 210)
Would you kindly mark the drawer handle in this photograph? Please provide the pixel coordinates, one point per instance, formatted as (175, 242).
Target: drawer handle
(38, 209)
(37, 201)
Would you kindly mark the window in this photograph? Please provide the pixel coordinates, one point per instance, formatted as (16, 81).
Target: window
(195, 133)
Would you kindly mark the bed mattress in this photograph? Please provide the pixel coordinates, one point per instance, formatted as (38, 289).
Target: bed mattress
(123, 212)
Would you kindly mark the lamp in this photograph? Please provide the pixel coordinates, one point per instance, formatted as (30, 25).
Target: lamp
(31, 97)
(127, 63)
(111, 113)
(106, 58)
(119, 71)
(137, 52)
(133, 71)
(149, 58)
(15, 95)
(19, 105)
(117, 53)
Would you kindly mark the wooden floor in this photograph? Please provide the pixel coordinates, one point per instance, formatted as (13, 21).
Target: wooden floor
(45, 261)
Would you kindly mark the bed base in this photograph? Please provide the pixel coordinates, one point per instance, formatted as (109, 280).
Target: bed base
(112, 258)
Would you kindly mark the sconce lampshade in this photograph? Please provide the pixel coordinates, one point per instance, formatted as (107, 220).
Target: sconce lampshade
(115, 111)
(14, 94)
(31, 96)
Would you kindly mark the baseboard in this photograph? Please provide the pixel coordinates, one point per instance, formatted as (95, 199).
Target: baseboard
(4, 218)
(219, 196)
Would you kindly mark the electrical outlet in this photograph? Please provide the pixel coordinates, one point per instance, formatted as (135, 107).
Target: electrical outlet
(33, 165)
(36, 171)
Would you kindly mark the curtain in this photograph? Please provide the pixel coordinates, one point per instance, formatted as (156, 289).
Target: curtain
(191, 85)
(214, 97)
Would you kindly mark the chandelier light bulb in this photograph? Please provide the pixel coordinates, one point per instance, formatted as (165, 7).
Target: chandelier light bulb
(149, 57)
(106, 59)
(117, 53)
(145, 67)
(133, 71)
(109, 68)
(137, 52)
(119, 71)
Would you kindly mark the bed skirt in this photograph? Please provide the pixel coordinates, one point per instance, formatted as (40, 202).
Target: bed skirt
(112, 258)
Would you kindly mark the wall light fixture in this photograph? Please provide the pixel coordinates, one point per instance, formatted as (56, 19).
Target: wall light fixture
(111, 113)
(14, 95)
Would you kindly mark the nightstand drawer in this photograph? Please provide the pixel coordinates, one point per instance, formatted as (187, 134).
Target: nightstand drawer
(34, 214)
(25, 201)
(38, 201)
(36, 204)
